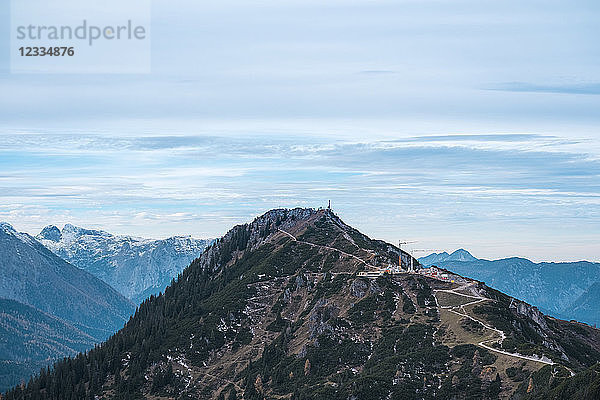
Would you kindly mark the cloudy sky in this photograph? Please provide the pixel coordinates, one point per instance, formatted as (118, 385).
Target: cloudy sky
(453, 123)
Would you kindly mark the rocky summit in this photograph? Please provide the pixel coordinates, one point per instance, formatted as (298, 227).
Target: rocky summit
(135, 267)
(299, 305)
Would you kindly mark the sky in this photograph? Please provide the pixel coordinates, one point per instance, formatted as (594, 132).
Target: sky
(455, 124)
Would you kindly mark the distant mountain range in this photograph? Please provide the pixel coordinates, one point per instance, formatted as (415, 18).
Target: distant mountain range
(33, 275)
(569, 290)
(56, 309)
(135, 267)
(458, 255)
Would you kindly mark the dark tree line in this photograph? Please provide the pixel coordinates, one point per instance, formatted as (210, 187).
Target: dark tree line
(183, 315)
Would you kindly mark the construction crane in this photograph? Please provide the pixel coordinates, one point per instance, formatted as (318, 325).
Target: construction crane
(400, 244)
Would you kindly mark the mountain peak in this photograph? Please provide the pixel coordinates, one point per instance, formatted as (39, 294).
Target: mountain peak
(72, 231)
(136, 267)
(433, 258)
(319, 229)
(33, 275)
(461, 255)
(457, 255)
(50, 232)
(69, 228)
(6, 227)
(285, 214)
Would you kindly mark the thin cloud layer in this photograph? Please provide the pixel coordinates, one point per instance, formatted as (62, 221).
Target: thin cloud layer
(383, 107)
(418, 187)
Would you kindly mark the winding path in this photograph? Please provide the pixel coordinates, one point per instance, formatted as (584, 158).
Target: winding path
(483, 344)
(478, 299)
(327, 247)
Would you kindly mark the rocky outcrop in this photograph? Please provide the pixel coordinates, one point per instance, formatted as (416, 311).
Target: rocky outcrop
(135, 267)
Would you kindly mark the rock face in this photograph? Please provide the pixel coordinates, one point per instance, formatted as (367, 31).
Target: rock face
(135, 267)
(277, 309)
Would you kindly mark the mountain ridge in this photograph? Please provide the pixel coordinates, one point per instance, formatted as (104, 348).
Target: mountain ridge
(277, 308)
(555, 287)
(28, 270)
(457, 255)
(69, 308)
(135, 267)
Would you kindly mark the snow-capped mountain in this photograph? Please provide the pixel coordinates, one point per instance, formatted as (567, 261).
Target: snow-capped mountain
(49, 309)
(135, 267)
(32, 275)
